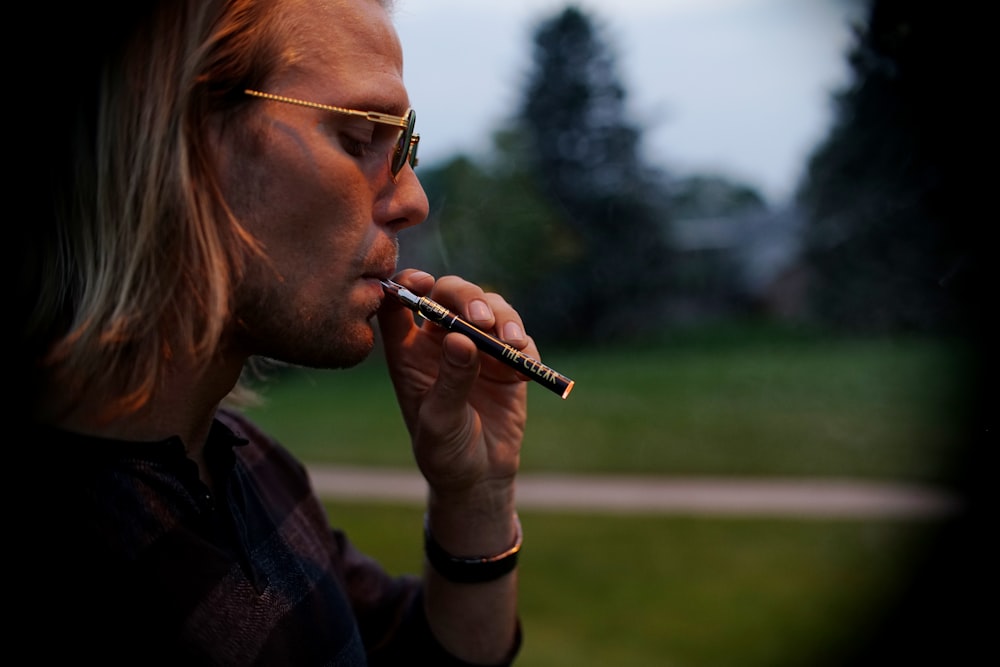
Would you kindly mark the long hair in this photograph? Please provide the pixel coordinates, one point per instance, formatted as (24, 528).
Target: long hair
(133, 259)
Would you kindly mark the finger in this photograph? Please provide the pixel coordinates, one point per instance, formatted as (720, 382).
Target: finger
(456, 293)
(507, 323)
(488, 311)
(445, 412)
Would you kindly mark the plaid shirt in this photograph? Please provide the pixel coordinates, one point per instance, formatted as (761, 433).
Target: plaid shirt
(147, 566)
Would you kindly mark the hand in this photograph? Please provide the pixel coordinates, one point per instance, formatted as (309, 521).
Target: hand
(465, 412)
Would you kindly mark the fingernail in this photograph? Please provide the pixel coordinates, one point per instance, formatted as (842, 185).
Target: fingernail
(512, 332)
(479, 311)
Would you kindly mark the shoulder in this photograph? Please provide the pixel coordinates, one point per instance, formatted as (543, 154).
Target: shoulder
(252, 442)
(246, 434)
(241, 425)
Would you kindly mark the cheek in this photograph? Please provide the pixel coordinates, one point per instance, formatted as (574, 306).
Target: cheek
(309, 206)
(294, 191)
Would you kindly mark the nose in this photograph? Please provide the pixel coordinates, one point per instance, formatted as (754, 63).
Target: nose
(403, 202)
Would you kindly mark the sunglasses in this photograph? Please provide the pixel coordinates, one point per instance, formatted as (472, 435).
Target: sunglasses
(406, 145)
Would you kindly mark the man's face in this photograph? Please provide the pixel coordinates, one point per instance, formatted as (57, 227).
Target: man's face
(314, 188)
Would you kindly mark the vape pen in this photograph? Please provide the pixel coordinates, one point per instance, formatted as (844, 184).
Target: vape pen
(434, 312)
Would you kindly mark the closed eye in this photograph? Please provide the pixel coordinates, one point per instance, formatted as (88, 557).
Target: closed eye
(354, 146)
(370, 141)
(355, 135)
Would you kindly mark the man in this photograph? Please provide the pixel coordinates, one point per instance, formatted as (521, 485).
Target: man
(213, 196)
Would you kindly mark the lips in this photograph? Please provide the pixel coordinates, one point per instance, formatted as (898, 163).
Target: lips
(377, 276)
(381, 273)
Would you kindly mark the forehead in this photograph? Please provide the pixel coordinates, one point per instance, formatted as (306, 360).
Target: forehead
(349, 49)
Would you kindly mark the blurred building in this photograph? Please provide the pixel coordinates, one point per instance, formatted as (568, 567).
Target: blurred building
(745, 261)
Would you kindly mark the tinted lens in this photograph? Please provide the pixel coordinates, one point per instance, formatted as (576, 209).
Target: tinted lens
(402, 152)
(414, 142)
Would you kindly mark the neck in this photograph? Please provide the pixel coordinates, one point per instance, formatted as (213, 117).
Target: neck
(183, 405)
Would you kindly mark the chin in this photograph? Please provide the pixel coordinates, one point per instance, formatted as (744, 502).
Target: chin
(350, 362)
(350, 346)
(352, 350)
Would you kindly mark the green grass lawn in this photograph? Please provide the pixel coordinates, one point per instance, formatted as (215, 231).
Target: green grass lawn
(649, 591)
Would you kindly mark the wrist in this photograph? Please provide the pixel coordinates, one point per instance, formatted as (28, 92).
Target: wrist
(469, 569)
(481, 521)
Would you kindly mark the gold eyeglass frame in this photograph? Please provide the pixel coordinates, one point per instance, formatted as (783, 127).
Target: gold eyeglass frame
(407, 136)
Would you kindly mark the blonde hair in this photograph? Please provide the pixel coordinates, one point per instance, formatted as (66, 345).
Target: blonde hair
(138, 264)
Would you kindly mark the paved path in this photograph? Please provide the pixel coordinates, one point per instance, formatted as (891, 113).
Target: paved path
(818, 498)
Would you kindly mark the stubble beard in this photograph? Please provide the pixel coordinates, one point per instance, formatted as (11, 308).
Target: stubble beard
(270, 326)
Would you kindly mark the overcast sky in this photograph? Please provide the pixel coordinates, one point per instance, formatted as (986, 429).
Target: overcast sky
(738, 87)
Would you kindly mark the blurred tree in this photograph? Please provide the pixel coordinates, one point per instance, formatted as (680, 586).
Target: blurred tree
(583, 153)
(900, 238)
(883, 193)
(565, 219)
(489, 221)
